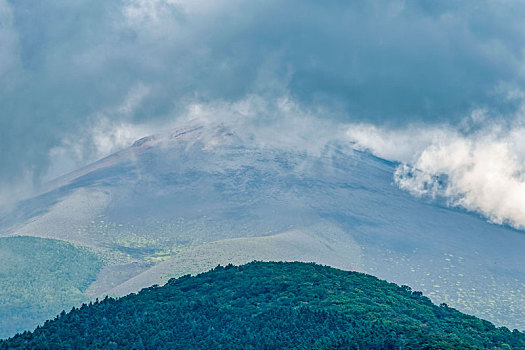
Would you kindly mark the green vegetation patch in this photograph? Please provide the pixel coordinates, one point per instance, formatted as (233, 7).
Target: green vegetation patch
(269, 306)
(39, 277)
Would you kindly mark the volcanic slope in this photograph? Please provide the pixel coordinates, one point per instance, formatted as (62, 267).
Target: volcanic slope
(199, 195)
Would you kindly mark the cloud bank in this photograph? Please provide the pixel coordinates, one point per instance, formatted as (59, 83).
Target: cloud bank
(481, 171)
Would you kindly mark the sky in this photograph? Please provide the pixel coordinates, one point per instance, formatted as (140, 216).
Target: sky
(438, 86)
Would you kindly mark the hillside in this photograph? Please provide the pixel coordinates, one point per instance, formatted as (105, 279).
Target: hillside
(39, 278)
(269, 305)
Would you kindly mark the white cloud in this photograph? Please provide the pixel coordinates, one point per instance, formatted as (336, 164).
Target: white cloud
(277, 123)
(141, 12)
(105, 132)
(133, 99)
(483, 171)
(102, 138)
(395, 144)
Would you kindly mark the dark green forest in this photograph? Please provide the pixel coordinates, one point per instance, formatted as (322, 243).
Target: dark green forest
(271, 305)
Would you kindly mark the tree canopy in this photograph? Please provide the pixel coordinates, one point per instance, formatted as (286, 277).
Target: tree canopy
(266, 306)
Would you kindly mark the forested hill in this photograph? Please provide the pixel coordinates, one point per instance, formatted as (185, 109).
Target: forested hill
(271, 305)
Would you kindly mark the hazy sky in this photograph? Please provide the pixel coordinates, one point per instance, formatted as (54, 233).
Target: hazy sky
(82, 78)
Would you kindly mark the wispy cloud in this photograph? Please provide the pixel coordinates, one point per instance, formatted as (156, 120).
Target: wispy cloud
(109, 130)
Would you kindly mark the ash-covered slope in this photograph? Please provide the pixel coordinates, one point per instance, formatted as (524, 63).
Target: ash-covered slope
(203, 195)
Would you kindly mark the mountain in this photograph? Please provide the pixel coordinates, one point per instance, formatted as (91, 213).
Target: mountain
(269, 306)
(200, 195)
